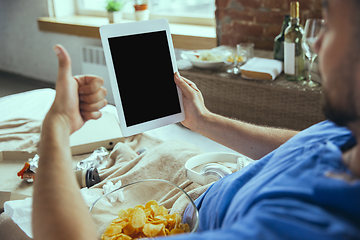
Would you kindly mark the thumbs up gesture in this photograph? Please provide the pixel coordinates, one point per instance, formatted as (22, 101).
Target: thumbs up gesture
(78, 98)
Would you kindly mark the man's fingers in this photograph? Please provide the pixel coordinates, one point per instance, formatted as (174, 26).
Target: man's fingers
(93, 106)
(64, 62)
(187, 87)
(191, 84)
(95, 97)
(90, 115)
(89, 84)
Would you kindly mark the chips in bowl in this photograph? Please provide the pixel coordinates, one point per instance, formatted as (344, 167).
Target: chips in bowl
(151, 208)
(150, 220)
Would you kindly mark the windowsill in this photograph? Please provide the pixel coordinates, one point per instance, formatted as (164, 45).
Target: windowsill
(184, 36)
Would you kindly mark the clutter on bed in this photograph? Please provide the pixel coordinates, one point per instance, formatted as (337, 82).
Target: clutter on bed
(113, 192)
(19, 136)
(103, 132)
(215, 166)
(159, 153)
(29, 170)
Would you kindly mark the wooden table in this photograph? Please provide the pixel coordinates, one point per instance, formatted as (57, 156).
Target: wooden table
(278, 103)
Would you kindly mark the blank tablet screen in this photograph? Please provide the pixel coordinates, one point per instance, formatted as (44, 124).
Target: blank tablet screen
(145, 76)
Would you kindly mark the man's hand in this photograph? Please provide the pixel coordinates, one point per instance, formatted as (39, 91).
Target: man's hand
(253, 141)
(193, 100)
(79, 98)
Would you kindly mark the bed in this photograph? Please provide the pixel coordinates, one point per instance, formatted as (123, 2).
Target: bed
(20, 122)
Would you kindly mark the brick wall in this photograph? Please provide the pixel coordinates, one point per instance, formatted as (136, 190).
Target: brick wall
(257, 21)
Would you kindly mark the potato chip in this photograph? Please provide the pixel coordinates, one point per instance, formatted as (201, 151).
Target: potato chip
(120, 236)
(163, 231)
(109, 237)
(177, 220)
(152, 230)
(140, 206)
(160, 219)
(176, 231)
(149, 214)
(129, 230)
(150, 220)
(123, 214)
(137, 218)
(155, 222)
(151, 203)
(124, 237)
(113, 229)
(162, 211)
(171, 218)
(185, 227)
(129, 210)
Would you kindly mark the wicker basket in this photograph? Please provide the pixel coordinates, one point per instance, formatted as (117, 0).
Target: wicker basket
(278, 103)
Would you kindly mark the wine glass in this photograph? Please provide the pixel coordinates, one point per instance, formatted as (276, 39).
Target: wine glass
(313, 29)
(240, 56)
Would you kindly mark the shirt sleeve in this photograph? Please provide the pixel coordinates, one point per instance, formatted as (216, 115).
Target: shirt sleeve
(281, 219)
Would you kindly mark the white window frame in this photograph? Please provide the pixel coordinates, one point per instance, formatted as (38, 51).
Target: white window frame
(130, 16)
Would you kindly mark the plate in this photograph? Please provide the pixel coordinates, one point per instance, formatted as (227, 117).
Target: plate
(208, 59)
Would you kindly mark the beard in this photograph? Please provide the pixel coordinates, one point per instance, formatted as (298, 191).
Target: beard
(339, 98)
(340, 116)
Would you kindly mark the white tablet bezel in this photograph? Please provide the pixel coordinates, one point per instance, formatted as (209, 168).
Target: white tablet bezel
(132, 28)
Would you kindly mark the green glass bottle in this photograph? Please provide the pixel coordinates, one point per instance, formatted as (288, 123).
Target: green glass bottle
(279, 40)
(293, 52)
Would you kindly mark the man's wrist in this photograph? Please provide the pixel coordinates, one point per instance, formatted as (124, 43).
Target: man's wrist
(55, 133)
(55, 121)
(203, 121)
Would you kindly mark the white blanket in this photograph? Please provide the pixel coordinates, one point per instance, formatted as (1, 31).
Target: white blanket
(21, 116)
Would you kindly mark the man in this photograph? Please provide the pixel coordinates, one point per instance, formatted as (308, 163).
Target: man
(305, 185)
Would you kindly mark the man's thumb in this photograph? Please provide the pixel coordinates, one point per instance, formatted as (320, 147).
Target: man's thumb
(64, 61)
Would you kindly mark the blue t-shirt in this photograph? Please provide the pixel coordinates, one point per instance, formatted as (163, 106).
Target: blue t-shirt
(297, 191)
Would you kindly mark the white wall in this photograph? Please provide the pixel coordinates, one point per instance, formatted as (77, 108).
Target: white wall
(27, 51)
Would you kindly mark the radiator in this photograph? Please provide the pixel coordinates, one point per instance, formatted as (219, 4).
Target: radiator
(93, 62)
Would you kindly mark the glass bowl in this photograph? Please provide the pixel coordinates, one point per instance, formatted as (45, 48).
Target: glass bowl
(166, 193)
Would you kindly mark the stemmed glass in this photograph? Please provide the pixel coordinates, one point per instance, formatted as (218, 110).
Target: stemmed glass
(240, 56)
(313, 29)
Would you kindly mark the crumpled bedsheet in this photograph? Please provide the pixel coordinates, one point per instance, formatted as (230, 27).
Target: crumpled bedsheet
(162, 160)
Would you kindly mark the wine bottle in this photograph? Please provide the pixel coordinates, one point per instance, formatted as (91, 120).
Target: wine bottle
(279, 40)
(293, 52)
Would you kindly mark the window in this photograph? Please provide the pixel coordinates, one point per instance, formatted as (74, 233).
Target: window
(201, 12)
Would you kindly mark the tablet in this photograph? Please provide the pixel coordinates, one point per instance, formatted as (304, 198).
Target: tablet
(141, 62)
